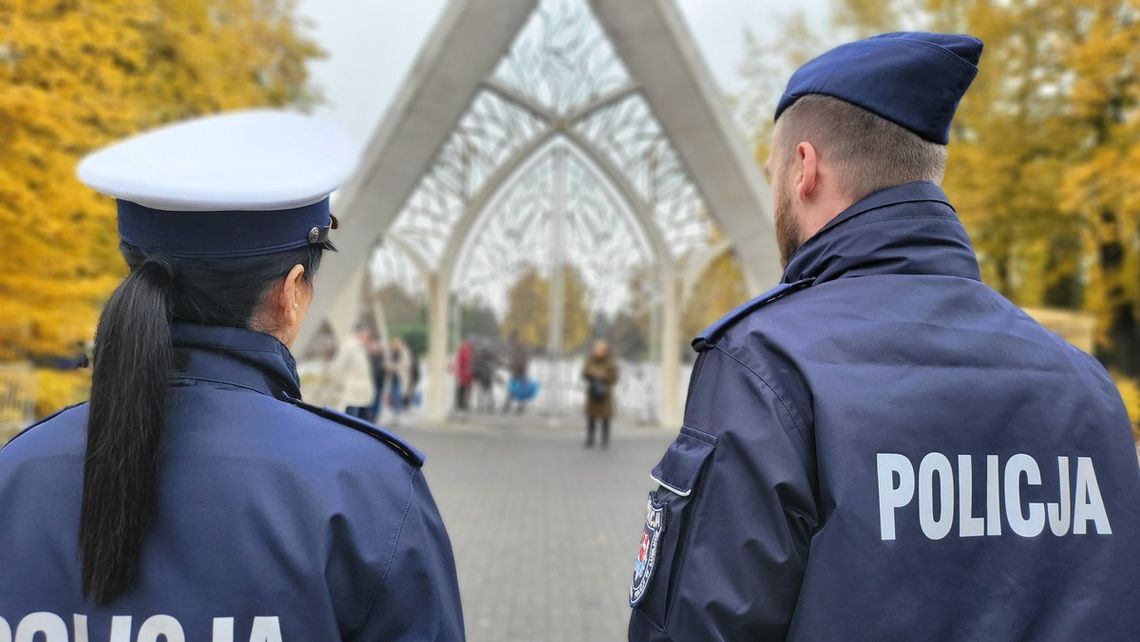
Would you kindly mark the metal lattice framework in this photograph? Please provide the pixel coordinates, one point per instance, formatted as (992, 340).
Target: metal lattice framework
(550, 132)
(482, 209)
(599, 240)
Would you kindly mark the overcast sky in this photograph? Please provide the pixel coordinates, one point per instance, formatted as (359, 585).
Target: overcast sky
(372, 43)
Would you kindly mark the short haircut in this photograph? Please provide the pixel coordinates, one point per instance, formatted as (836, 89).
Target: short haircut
(868, 152)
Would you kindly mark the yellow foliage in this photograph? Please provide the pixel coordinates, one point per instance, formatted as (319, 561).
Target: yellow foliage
(1130, 393)
(56, 389)
(1044, 149)
(722, 288)
(528, 311)
(76, 75)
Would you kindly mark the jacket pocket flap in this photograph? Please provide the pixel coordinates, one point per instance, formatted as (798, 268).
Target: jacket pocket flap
(678, 470)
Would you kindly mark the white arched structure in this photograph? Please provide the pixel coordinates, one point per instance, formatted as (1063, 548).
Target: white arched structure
(500, 82)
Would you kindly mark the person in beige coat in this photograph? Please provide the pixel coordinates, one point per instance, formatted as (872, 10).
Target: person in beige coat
(352, 374)
(600, 373)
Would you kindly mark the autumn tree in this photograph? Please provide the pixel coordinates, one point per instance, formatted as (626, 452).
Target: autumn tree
(723, 287)
(631, 330)
(528, 309)
(1042, 165)
(1043, 149)
(75, 75)
(628, 334)
(1099, 46)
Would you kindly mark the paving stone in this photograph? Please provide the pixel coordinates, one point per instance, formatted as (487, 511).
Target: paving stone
(544, 530)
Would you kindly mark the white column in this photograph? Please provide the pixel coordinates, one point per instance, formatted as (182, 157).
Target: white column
(373, 304)
(557, 327)
(438, 381)
(345, 310)
(671, 353)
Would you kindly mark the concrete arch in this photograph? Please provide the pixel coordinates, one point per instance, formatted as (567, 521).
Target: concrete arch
(458, 61)
(421, 263)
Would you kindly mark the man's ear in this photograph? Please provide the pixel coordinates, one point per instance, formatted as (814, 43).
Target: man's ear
(807, 161)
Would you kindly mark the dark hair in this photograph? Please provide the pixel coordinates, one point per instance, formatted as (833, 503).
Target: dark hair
(133, 357)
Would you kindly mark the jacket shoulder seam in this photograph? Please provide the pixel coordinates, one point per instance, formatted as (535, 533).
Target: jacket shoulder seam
(406, 451)
(41, 422)
(779, 399)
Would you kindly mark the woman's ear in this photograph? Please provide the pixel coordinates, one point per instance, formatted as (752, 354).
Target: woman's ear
(284, 306)
(293, 299)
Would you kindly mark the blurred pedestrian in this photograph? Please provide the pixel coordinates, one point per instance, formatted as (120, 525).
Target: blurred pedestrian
(411, 393)
(518, 360)
(484, 369)
(399, 367)
(379, 377)
(352, 374)
(600, 373)
(463, 375)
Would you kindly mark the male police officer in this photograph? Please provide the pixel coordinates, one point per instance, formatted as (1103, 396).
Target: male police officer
(883, 447)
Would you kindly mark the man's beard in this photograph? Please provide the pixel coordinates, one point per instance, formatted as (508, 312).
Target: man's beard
(787, 226)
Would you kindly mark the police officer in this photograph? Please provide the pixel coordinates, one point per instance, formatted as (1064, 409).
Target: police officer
(196, 497)
(882, 447)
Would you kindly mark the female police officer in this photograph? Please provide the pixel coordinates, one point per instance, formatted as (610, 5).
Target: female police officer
(195, 497)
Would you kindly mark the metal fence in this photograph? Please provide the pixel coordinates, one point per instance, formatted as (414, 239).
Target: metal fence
(17, 398)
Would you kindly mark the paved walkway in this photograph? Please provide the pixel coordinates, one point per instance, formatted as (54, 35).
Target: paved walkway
(544, 531)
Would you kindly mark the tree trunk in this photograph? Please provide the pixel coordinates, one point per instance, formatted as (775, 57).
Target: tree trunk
(1064, 289)
(1121, 351)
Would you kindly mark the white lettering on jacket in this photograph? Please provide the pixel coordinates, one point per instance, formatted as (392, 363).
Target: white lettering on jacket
(938, 483)
(49, 627)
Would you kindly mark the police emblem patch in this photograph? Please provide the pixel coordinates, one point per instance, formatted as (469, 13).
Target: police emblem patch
(646, 562)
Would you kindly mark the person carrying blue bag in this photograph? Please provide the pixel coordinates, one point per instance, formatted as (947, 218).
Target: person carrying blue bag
(520, 388)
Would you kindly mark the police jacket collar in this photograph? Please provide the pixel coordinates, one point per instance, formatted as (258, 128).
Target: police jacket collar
(908, 229)
(235, 356)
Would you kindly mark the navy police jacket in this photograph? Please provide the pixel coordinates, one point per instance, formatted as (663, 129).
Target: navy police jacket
(884, 448)
(276, 522)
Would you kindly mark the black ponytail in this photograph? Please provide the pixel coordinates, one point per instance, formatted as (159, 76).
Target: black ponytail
(133, 359)
(133, 356)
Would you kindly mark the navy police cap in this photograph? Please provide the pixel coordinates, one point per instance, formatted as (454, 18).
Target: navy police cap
(914, 79)
(238, 184)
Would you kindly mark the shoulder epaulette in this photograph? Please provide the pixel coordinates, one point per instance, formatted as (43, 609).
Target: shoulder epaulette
(42, 421)
(705, 339)
(393, 441)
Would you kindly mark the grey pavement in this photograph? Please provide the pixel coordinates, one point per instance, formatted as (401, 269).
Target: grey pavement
(544, 531)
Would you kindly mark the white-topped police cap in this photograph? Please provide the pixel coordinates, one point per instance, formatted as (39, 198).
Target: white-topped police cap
(237, 184)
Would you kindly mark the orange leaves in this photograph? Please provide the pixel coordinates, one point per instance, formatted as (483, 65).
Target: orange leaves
(77, 75)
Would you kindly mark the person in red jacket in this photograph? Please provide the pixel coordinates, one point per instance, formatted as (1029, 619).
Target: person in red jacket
(464, 375)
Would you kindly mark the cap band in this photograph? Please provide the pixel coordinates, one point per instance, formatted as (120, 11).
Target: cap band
(223, 233)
